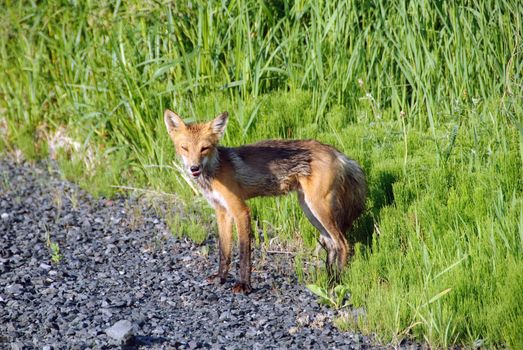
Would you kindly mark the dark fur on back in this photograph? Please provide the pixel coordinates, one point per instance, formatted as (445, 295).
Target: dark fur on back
(270, 167)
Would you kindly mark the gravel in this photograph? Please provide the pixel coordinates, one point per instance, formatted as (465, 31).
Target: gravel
(115, 277)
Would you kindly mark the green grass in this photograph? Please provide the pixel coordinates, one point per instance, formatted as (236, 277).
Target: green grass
(427, 96)
(190, 224)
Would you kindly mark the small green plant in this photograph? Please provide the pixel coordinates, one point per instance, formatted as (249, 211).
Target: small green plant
(73, 198)
(5, 184)
(204, 251)
(56, 257)
(335, 297)
(57, 202)
(54, 249)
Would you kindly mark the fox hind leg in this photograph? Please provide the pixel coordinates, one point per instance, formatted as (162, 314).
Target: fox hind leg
(325, 239)
(322, 216)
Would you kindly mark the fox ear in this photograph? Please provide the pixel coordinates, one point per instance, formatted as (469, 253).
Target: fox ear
(219, 123)
(173, 121)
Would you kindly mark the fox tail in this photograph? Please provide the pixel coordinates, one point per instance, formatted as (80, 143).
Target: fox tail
(350, 193)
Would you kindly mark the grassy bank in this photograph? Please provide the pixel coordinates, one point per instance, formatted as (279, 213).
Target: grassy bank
(426, 96)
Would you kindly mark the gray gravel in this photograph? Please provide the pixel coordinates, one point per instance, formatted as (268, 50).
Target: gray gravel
(123, 279)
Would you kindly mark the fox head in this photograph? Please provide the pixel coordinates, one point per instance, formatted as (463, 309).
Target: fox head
(196, 143)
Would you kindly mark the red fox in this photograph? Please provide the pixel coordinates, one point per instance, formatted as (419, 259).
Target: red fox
(331, 187)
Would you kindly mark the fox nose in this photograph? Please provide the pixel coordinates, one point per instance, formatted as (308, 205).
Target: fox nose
(195, 170)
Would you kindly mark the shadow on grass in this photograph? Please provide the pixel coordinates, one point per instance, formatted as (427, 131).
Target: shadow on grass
(381, 194)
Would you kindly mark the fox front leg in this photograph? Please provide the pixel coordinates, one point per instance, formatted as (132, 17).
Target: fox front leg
(224, 244)
(243, 227)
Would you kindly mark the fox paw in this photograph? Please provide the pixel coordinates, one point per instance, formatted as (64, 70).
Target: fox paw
(215, 276)
(240, 287)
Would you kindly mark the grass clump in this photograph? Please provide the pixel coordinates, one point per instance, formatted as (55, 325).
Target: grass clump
(188, 227)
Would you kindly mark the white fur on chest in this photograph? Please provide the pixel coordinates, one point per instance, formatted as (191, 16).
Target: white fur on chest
(215, 199)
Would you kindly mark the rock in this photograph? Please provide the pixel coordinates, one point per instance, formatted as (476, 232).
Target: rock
(224, 316)
(17, 346)
(86, 224)
(303, 320)
(121, 332)
(293, 330)
(158, 330)
(45, 266)
(4, 216)
(14, 289)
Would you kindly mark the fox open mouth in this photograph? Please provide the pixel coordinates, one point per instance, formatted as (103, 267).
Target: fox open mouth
(196, 173)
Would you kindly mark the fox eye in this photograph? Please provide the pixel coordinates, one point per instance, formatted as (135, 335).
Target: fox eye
(204, 148)
(184, 147)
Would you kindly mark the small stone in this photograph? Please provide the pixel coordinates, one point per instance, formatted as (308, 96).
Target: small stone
(5, 216)
(319, 321)
(14, 289)
(86, 224)
(293, 330)
(252, 332)
(224, 316)
(121, 331)
(106, 312)
(45, 266)
(17, 346)
(303, 320)
(159, 330)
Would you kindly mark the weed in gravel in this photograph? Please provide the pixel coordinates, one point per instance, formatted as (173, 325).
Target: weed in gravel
(57, 198)
(73, 199)
(54, 249)
(5, 183)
